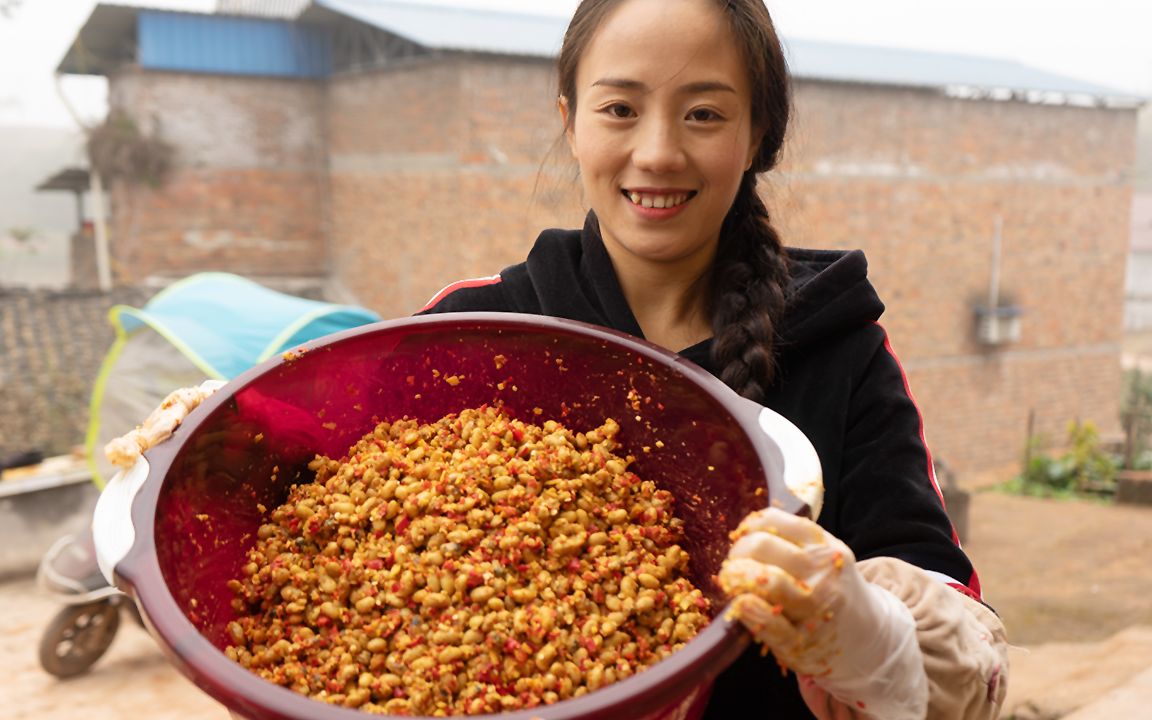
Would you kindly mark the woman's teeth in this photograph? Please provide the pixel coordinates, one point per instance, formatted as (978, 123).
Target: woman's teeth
(657, 201)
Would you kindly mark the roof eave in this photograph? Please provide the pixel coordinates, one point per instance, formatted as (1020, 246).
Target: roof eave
(968, 91)
(104, 43)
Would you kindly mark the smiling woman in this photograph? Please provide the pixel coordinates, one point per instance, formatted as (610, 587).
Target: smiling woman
(662, 149)
(671, 109)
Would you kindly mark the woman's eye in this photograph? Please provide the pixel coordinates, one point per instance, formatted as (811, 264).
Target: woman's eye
(619, 110)
(703, 115)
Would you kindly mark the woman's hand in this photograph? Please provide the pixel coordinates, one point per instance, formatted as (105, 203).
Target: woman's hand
(797, 590)
(159, 425)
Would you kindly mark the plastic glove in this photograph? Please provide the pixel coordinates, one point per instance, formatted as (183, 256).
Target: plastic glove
(796, 588)
(160, 424)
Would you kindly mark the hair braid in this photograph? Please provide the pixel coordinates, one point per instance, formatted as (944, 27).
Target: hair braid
(748, 294)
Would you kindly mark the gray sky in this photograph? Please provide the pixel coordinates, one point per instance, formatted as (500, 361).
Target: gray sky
(1104, 41)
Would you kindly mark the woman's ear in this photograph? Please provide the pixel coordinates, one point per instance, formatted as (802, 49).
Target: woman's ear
(567, 119)
(754, 150)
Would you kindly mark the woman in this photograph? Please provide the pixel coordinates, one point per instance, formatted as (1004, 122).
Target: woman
(671, 108)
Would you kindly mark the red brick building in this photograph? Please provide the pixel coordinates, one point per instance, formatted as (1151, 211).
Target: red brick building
(397, 148)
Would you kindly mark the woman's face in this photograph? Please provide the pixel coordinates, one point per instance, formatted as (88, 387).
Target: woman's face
(662, 128)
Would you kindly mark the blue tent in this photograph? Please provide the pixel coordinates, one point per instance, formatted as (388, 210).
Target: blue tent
(206, 326)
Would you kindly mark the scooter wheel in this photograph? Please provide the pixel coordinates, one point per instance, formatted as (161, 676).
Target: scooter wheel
(77, 637)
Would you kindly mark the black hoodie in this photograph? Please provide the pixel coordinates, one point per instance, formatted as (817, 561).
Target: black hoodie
(837, 380)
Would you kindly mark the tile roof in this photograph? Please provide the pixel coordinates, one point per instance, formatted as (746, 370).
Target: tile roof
(51, 346)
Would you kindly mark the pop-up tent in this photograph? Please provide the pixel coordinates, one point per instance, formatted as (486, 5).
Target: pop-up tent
(206, 326)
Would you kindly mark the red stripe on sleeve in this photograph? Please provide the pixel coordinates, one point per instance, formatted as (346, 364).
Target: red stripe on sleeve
(973, 587)
(460, 285)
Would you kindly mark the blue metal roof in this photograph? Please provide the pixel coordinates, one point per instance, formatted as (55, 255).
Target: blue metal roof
(231, 45)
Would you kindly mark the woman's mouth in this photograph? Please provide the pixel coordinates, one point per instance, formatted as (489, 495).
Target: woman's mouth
(659, 201)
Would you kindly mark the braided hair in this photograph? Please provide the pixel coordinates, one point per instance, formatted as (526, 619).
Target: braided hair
(750, 272)
(748, 280)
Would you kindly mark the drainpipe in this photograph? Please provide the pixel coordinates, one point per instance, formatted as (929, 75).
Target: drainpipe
(994, 281)
(96, 187)
(103, 263)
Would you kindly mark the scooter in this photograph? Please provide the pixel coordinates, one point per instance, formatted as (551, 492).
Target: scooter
(84, 629)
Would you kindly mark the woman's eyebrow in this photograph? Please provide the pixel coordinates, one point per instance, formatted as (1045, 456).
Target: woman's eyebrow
(701, 86)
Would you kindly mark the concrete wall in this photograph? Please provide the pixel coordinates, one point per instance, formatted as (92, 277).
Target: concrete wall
(249, 193)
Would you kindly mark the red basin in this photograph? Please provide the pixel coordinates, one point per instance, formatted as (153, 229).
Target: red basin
(195, 516)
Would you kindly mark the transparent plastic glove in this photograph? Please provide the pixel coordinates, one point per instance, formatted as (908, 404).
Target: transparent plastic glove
(796, 588)
(159, 425)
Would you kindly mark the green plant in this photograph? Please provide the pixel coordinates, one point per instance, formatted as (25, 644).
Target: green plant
(22, 235)
(119, 149)
(1084, 467)
(1136, 417)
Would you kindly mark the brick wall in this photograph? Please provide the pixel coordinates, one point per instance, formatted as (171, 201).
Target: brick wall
(440, 172)
(249, 191)
(916, 180)
(445, 168)
(435, 167)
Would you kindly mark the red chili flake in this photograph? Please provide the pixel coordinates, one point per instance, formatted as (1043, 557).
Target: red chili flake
(374, 563)
(402, 523)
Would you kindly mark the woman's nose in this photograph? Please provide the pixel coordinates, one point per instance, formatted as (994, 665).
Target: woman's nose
(658, 148)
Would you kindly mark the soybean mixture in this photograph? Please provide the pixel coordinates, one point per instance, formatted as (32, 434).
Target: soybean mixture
(474, 565)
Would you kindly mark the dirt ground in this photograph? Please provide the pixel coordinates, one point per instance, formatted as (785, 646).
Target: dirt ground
(1070, 578)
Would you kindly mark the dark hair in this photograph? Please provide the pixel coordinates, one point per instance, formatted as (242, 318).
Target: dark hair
(750, 273)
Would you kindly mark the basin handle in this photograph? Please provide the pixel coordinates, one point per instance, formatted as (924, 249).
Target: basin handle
(802, 472)
(792, 459)
(112, 530)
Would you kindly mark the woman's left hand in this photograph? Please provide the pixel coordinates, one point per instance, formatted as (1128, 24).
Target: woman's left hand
(798, 591)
